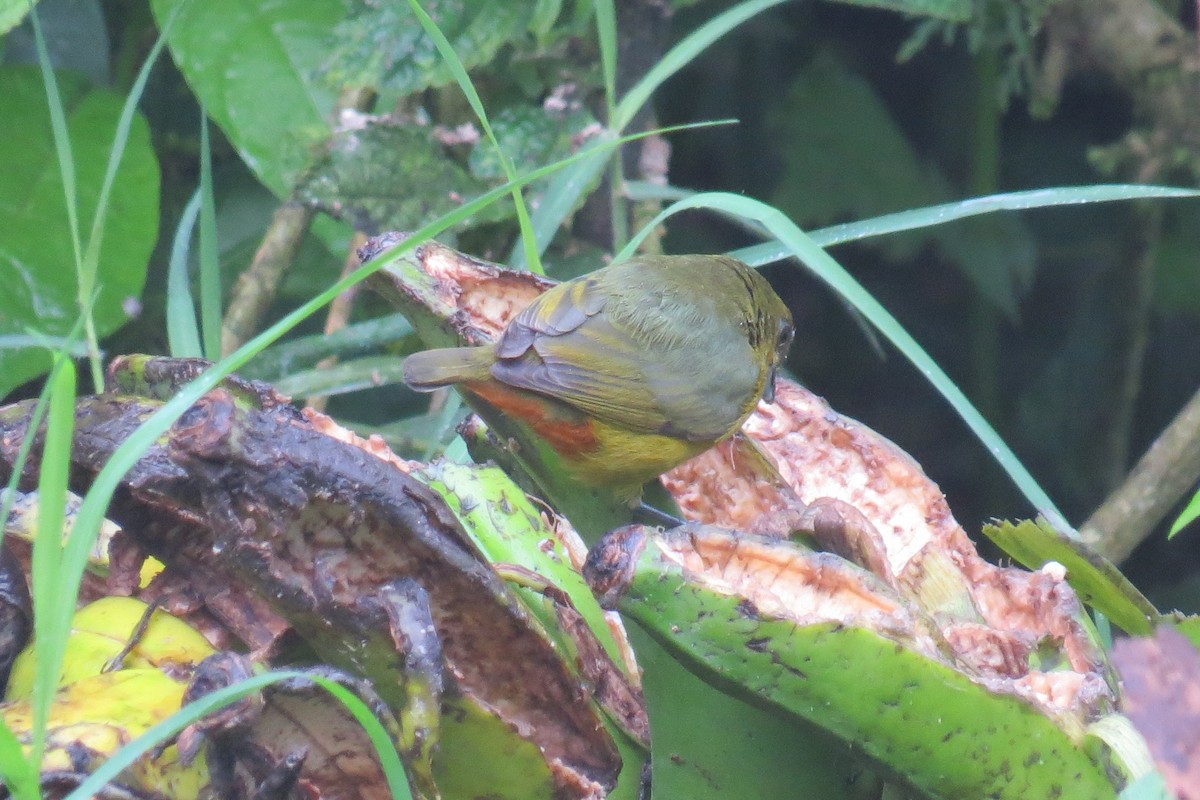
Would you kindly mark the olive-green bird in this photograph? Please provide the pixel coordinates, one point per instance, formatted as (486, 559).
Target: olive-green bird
(633, 369)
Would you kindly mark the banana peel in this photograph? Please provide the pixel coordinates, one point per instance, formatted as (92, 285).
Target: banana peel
(813, 636)
(93, 717)
(104, 629)
(266, 501)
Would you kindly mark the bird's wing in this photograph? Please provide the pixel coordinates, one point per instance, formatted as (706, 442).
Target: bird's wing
(564, 348)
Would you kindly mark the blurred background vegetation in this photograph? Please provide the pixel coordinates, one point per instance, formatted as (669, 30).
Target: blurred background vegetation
(1075, 330)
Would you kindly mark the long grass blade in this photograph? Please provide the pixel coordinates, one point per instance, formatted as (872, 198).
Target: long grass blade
(568, 186)
(49, 599)
(606, 32)
(89, 267)
(183, 333)
(67, 349)
(17, 774)
(351, 376)
(353, 341)
(565, 190)
(62, 138)
(385, 748)
(532, 255)
(949, 212)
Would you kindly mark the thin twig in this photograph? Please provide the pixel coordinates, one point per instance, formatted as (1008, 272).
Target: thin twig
(255, 288)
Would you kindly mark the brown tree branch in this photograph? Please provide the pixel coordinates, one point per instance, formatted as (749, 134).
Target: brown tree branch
(1152, 57)
(256, 287)
(1168, 470)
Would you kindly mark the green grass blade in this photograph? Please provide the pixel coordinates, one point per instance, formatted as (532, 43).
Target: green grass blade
(441, 424)
(385, 748)
(210, 266)
(14, 341)
(16, 774)
(354, 341)
(91, 256)
(349, 376)
(183, 334)
(359, 339)
(803, 247)
(49, 599)
(120, 140)
(561, 195)
(570, 183)
(111, 769)
(681, 55)
(532, 254)
(35, 423)
(19, 775)
(948, 212)
(62, 139)
(645, 190)
(1190, 513)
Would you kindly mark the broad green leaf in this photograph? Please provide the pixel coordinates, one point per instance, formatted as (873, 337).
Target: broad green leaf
(383, 45)
(254, 65)
(1097, 581)
(391, 177)
(12, 12)
(866, 165)
(36, 256)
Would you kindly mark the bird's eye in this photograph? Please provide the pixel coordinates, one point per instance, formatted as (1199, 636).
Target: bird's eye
(783, 340)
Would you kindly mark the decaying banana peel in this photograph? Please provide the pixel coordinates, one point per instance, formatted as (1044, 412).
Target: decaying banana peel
(868, 500)
(471, 298)
(812, 636)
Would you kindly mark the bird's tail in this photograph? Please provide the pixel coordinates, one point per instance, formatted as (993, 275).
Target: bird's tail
(431, 369)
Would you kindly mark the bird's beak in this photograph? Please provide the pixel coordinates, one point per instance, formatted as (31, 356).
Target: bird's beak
(769, 389)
